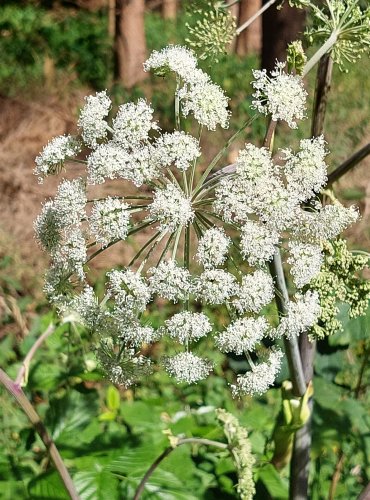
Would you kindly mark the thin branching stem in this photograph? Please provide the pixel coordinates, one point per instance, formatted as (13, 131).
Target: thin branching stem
(166, 248)
(132, 231)
(22, 376)
(151, 250)
(349, 164)
(220, 154)
(176, 243)
(170, 449)
(255, 16)
(143, 248)
(193, 167)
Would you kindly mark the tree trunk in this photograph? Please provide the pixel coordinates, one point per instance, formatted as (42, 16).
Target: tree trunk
(169, 9)
(279, 28)
(249, 40)
(130, 45)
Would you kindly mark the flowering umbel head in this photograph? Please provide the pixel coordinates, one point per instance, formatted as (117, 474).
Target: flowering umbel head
(201, 243)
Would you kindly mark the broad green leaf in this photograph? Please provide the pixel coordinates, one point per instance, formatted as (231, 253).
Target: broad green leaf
(274, 483)
(96, 485)
(71, 418)
(13, 489)
(141, 416)
(47, 486)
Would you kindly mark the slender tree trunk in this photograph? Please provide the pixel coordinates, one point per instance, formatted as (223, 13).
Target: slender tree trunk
(169, 9)
(130, 45)
(279, 28)
(249, 40)
(111, 19)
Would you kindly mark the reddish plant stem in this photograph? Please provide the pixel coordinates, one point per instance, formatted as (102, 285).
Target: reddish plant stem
(27, 360)
(14, 389)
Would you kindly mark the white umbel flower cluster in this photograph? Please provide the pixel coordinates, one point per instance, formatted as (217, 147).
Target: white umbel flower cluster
(129, 289)
(93, 116)
(59, 215)
(177, 148)
(306, 171)
(260, 377)
(72, 254)
(242, 335)
(170, 281)
(54, 154)
(255, 292)
(171, 208)
(187, 367)
(215, 286)
(254, 163)
(302, 314)
(86, 305)
(109, 220)
(213, 247)
(174, 58)
(188, 326)
(306, 261)
(280, 95)
(133, 334)
(198, 95)
(258, 242)
(133, 123)
(108, 161)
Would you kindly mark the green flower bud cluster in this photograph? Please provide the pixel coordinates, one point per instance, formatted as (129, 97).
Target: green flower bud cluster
(213, 32)
(296, 57)
(347, 20)
(240, 446)
(340, 281)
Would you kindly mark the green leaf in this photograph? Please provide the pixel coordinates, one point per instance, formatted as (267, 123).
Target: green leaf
(47, 486)
(141, 415)
(107, 416)
(96, 485)
(113, 398)
(274, 483)
(71, 418)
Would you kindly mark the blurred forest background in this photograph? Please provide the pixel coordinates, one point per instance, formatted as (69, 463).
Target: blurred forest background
(52, 54)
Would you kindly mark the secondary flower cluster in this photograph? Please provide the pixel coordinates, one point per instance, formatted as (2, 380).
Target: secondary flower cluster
(209, 243)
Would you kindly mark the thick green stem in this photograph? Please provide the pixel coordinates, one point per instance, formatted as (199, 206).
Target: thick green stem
(326, 47)
(291, 345)
(300, 463)
(14, 389)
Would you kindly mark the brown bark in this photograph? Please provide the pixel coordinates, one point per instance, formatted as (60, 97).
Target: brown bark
(169, 9)
(249, 40)
(111, 19)
(279, 28)
(130, 45)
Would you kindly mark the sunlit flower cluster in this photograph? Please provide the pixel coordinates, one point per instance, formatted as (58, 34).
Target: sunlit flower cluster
(280, 95)
(197, 93)
(204, 243)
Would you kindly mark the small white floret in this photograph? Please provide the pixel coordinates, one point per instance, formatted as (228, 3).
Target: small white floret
(186, 367)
